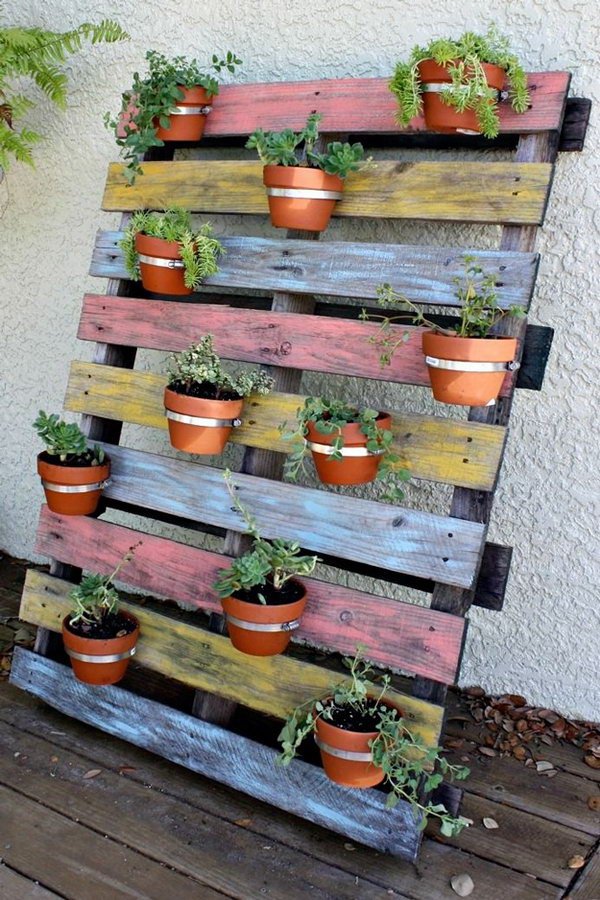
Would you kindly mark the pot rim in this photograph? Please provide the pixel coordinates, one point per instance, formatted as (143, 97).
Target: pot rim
(93, 640)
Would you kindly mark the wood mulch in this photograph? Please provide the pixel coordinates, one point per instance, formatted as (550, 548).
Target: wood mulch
(85, 815)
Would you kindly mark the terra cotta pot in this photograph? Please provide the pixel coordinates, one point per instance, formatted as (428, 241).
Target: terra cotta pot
(441, 117)
(351, 469)
(200, 437)
(467, 388)
(163, 272)
(301, 206)
(256, 642)
(354, 773)
(102, 670)
(187, 123)
(72, 502)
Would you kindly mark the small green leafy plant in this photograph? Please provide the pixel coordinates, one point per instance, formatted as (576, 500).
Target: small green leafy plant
(67, 441)
(38, 54)
(95, 597)
(200, 365)
(479, 311)
(469, 88)
(152, 97)
(268, 562)
(199, 249)
(330, 417)
(407, 762)
(289, 148)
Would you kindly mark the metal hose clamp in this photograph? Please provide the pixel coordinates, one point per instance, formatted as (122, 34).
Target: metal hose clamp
(327, 450)
(201, 420)
(304, 193)
(443, 86)
(454, 365)
(263, 626)
(107, 658)
(190, 110)
(161, 263)
(74, 488)
(352, 755)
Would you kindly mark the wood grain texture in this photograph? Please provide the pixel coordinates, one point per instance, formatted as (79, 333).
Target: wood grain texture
(301, 789)
(399, 635)
(433, 448)
(404, 540)
(16, 887)
(360, 105)
(490, 192)
(344, 269)
(587, 885)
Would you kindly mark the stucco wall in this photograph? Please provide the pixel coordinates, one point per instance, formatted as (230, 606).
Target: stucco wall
(545, 642)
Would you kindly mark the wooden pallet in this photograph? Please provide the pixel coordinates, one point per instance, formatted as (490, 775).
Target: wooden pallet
(445, 554)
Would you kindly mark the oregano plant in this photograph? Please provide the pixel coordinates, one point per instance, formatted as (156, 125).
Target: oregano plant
(200, 366)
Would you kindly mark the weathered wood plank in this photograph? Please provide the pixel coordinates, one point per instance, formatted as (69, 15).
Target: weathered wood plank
(233, 760)
(405, 540)
(587, 883)
(490, 192)
(361, 105)
(342, 269)
(437, 449)
(208, 661)
(15, 887)
(399, 635)
(574, 127)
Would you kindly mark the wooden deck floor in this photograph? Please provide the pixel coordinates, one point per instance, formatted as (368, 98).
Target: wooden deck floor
(88, 817)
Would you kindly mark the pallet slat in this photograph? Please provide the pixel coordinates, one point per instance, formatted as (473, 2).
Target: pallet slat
(208, 661)
(361, 105)
(437, 449)
(344, 269)
(399, 635)
(490, 192)
(404, 540)
(242, 764)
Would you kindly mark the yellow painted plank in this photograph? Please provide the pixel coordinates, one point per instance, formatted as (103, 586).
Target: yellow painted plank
(504, 192)
(433, 448)
(209, 662)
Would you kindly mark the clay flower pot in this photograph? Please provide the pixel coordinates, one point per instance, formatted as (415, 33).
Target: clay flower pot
(197, 425)
(300, 197)
(438, 115)
(358, 466)
(468, 371)
(160, 265)
(72, 490)
(186, 121)
(246, 621)
(93, 660)
(335, 744)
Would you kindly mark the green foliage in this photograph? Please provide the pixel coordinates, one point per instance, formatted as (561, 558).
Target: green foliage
(66, 440)
(199, 249)
(329, 417)
(408, 764)
(200, 364)
(479, 310)
(276, 561)
(469, 89)
(38, 54)
(95, 597)
(289, 148)
(152, 97)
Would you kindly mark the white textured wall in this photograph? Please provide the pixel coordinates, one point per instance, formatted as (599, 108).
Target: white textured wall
(545, 642)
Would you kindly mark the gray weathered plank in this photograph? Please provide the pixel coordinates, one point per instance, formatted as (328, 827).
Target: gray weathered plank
(301, 789)
(425, 274)
(418, 543)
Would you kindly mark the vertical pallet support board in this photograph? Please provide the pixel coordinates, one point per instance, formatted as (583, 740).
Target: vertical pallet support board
(446, 555)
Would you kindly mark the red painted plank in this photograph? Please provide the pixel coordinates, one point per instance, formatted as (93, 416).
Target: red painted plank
(400, 635)
(361, 105)
(321, 344)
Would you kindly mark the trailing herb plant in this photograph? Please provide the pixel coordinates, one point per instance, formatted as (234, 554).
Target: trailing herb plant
(38, 54)
(199, 250)
(198, 372)
(479, 311)
(263, 572)
(149, 101)
(469, 89)
(329, 417)
(289, 148)
(95, 604)
(67, 442)
(408, 764)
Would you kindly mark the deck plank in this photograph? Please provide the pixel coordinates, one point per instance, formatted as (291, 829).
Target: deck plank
(16, 887)
(485, 192)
